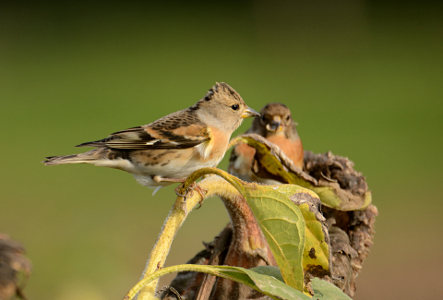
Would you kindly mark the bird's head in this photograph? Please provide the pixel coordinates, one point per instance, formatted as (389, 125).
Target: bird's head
(222, 105)
(275, 119)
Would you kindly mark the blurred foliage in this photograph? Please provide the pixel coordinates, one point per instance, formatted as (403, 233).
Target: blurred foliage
(362, 78)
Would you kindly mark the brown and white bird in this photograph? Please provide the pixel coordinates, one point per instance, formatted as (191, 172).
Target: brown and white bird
(275, 123)
(171, 148)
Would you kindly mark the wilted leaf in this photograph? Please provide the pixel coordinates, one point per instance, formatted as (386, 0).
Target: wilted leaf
(274, 164)
(324, 290)
(316, 250)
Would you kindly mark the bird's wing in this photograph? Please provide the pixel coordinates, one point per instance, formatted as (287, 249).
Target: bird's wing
(175, 131)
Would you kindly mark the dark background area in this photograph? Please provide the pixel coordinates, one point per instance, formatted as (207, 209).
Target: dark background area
(362, 78)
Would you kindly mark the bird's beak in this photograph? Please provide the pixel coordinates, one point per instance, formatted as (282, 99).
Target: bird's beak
(249, 112)
(275, 125)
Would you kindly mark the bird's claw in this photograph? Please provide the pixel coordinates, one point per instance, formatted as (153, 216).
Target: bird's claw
(189, 191)
(180, 192)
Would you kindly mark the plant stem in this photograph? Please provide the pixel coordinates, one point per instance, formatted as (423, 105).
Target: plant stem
(214, 186)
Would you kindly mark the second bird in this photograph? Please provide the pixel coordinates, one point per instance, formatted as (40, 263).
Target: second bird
(278, 127)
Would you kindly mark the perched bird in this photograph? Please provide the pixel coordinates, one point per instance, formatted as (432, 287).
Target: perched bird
(171, 148)
(275, 123)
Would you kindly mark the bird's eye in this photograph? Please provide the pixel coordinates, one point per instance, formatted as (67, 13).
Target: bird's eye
(287, 118)
(235, 106)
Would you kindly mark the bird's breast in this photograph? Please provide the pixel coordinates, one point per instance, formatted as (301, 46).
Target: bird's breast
(292, 148)
(215, 148)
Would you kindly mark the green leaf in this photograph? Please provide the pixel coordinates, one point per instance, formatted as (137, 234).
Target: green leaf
(283, 226)
(316, 249)
(272, 285)
(324, 290)
(260, 279)
(269, 270)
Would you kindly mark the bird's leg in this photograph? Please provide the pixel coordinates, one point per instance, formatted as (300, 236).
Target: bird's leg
(190, 189)
(195, 187)
(159, 179)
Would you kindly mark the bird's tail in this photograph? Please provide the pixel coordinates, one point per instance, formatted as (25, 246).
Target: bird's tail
(89, 157)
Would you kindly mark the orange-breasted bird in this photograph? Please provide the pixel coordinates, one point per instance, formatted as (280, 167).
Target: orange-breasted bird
(171, 148)
(275, 123)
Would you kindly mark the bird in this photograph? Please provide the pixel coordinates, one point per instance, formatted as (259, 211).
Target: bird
(276, 124)
(172, 147)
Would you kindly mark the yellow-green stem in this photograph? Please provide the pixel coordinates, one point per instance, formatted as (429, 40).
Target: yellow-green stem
(214, 186)
(205, 171)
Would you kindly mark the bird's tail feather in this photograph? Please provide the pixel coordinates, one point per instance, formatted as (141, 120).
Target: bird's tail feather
(88, 157)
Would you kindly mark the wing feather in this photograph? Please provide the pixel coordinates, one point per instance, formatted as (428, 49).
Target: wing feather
(179, 130)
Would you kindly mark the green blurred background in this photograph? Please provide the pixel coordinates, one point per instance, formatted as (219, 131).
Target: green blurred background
(363, 79)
